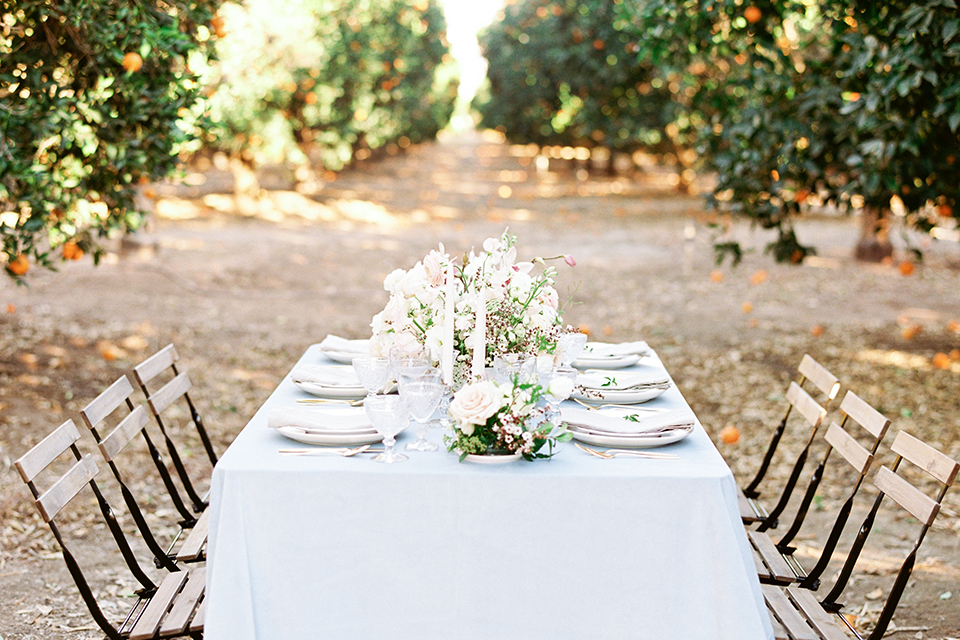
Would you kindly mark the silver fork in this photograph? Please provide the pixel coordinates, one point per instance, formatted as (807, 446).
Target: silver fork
(629, 453)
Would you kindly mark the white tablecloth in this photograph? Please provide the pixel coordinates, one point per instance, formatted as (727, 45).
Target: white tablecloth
(569, 548)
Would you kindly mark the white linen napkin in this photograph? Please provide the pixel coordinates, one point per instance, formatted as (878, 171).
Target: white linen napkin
(614, 421)
(344, 345)
(622, 380)
(320, 418)
(609, 350)
(326, 376)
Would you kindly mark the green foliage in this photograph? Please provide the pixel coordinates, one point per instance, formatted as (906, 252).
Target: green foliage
(79, 132)
(846, 103)
(332, 80)
(566, 72)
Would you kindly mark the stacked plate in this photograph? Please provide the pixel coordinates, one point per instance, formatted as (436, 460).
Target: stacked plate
(328, 381)
(621, 427)
(603, 355)
(327, 425)
(343, 350)
(622, 387)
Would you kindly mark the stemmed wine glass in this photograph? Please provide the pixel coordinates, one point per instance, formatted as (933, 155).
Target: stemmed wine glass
(373, 373)
(388, 415)
(557, 385)
(422, 398)
(510, 366)
(571, 346)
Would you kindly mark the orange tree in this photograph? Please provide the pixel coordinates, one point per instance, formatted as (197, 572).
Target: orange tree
(332, 80)
(852, 103)
(567, 72)
(95, 98)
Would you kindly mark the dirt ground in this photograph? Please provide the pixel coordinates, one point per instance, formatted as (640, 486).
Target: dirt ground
(242, 284)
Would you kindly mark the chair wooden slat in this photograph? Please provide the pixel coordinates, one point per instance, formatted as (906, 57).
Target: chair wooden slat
(168, 393)
(822, 379)
(778, 570)
(921, 506)
(748, 508)
(155, 364)
(193, 547)
(196, 624)
(926, 457)
(104, 404)
(177, 621)
(46, 451)
(124, 432)
(824, 623)
(149, 622)
(66, 487)
(788, 616)
(847, 446)
(812, 412)
(865, 415)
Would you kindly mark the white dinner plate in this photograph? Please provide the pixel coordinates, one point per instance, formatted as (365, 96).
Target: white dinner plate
(308, 436)
(633, 440)
(493, 459)
(329, 391)
(618, 396)
(589, 361)
(342, 357)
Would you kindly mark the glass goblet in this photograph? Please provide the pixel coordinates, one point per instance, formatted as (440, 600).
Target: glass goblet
(388, 415)
(557, 385)
(571, 346)
(372, 372)
(407, 375)
(510, 366)
(422, 399)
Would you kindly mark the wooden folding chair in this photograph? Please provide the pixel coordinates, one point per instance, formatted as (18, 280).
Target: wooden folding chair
(775, 562)
(752, 511)
(797, 615)
(193, 528)
(151, 372)
(172, 608)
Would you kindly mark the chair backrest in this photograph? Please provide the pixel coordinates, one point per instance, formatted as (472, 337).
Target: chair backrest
(116, 399)
(920, 505)
(855, 411)
(62, 490)
(177, 388)
(829, 386)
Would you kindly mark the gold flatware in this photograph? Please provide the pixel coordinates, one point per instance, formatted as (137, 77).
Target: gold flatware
(630, 453)
(352, 403)
(340, 451)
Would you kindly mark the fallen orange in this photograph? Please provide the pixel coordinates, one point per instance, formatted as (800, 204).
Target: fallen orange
(729, 435)
(132, 61)
(19, 265)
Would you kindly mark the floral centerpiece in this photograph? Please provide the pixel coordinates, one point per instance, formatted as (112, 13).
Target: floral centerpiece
(520, 306)
(503, 419)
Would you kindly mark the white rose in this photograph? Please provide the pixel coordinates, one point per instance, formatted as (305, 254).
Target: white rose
(560, 387)
(475, 403)
(433, 266)
(393, 279)
(414, 282)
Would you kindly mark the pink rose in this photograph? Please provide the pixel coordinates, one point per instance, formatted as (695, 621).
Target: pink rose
(475, 403)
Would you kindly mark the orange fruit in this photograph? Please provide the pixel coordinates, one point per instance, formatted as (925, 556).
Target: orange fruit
(71, 251)
(909, 332)
(716, 275)
(752, 14)
(906, 268)
(945, 210)
(758, 277)
(11, 308)
(801, 196)
(584, 328)
(953, 326)
(746, 307)
(729, 435)
(954, 355)
(941, 361)
(132, 61)
(817, 330)
(19, 265)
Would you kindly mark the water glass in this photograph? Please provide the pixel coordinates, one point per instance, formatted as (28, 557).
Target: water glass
(388, 414)
(511, 366)
(373, 373)
(571, 346)
(422, 399)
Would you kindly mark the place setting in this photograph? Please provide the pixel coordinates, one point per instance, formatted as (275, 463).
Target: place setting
(343, 350)
(620, 387)
(605, 355)
(628, 428)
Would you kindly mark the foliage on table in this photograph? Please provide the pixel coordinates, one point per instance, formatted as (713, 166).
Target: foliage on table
(522, 306)
(97, 98)
(332, 80)
(799, 104)
(565, 72)
(494, 419)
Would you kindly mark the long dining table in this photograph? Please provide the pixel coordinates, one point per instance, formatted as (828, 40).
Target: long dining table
(573, 547)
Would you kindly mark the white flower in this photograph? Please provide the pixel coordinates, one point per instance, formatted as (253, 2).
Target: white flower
(560, 387)
(475, 403)
(393, 279)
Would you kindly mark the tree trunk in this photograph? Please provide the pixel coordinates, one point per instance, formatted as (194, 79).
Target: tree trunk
(874, 244)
